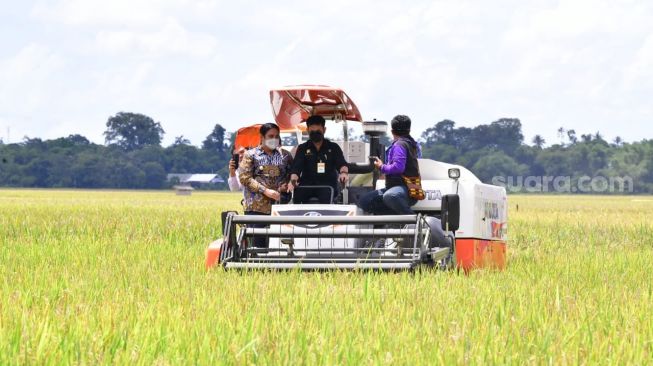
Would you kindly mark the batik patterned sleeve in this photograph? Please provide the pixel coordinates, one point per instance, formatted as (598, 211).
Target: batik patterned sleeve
(246, 175)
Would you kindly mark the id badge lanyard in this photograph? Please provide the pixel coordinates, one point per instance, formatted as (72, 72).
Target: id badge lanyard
(321, 166)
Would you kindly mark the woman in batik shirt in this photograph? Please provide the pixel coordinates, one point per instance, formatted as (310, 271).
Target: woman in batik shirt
(264, 173)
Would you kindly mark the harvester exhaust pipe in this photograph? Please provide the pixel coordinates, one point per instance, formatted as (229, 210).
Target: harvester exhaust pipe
(373, 130)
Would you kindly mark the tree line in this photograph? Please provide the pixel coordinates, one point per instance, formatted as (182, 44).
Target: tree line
(132, 156)
(498, 149)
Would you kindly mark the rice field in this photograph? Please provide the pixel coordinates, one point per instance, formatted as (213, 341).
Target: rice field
(117, 277)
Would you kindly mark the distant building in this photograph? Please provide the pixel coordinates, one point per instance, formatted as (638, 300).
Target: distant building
(194, 178)
(183, 190)
(204, 178)
(185, 181)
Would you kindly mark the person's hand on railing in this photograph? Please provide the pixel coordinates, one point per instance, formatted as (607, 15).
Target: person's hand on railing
(293, 182)
(377, 162)
(343, 178)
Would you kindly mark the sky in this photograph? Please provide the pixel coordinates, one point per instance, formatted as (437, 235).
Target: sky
(66, 66)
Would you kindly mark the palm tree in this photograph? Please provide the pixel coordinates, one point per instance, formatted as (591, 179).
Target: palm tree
(571, 135)
(539, 141)
(181, 140)
(598, 136)
(561, 135)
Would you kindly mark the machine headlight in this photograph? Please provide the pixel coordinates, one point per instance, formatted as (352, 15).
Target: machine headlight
(454, 173)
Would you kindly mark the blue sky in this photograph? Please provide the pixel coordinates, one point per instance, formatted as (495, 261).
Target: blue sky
(67, 65)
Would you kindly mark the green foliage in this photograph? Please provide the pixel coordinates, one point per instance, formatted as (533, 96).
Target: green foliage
(133, 131)
(155, 175)
(497, 163)
(216, 140)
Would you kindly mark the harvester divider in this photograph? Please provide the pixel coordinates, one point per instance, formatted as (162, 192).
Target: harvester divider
(438, 254)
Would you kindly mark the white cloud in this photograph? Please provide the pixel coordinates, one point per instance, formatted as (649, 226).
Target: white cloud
(189, 64)
(170, 38)
(641, 68)
(32, 62)
(28, 83)
(121, 13)
(574, 18)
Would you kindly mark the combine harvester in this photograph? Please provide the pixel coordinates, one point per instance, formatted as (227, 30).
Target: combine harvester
(461, 224)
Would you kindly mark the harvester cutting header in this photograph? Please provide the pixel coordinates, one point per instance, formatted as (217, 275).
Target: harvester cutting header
(451, 219)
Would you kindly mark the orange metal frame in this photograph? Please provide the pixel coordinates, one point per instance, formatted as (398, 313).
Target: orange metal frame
(478, 253)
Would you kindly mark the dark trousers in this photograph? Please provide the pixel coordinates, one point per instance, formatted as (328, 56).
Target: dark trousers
(390, 201)
(303, 195)
(258, 242)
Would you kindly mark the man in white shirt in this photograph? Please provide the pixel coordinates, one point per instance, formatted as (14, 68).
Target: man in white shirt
(233, 181)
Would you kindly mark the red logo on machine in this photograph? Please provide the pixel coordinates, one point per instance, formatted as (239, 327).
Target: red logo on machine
(498, 229)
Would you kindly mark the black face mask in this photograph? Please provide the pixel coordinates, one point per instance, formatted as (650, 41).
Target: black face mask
(316, 136)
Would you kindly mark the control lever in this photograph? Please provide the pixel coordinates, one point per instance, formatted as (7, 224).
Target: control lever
(344, 193)
(292, 193)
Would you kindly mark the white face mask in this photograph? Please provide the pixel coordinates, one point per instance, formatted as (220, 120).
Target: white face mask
(272, 143)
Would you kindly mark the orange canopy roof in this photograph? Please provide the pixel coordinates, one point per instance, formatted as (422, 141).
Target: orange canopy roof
(248, 137)
(292, 105)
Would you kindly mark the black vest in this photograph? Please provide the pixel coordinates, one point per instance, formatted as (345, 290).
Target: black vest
(412, 168)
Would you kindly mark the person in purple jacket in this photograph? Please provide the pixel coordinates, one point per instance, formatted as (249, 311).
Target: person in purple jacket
(401, 160)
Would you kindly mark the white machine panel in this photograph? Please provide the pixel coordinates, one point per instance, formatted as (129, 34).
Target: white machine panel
(483, 207)
(356, 151)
